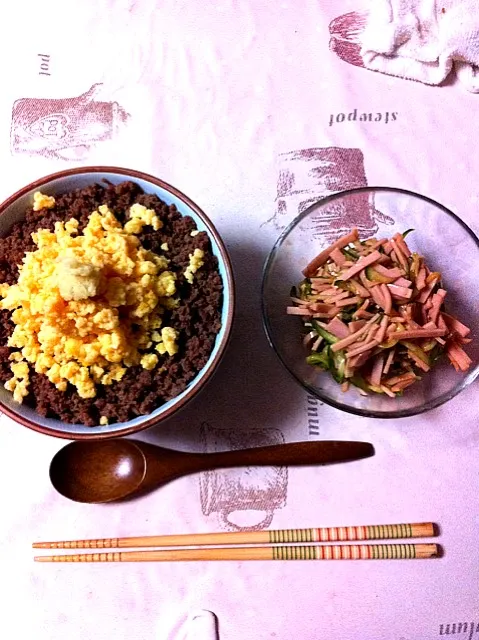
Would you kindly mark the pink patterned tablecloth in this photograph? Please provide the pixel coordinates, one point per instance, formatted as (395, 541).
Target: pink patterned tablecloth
(230, 101)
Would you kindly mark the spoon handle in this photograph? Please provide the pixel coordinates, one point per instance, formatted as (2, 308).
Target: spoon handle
(296, 453)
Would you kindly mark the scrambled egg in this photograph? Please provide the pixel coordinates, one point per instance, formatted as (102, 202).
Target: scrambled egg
(196, 261)
(76, 280)
(87, 306)
(141, 216)
(166, 341)
(42, 201)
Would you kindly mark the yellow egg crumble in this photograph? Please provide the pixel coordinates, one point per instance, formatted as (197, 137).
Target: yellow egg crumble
(196, 261)
(87, 306)
(42, 201)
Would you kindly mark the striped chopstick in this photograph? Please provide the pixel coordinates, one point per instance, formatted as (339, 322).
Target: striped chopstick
(297, 552)
(281, 536)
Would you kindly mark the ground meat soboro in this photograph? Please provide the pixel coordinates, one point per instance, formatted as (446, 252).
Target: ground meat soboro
(197, 317)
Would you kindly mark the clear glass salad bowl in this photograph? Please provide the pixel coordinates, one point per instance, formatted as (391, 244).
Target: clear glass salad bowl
(448, 246)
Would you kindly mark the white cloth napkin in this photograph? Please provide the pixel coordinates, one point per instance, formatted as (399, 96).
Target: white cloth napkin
(424, 40)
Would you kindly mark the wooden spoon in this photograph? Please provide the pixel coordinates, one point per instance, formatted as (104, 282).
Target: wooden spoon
(108, 470)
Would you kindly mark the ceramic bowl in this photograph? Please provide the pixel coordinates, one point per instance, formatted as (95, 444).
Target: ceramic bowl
(13, 210)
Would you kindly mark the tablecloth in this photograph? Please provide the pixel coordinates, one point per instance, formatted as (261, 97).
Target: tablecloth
(222, 99)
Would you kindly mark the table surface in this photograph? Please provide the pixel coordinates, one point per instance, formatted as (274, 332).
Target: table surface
(215, 98)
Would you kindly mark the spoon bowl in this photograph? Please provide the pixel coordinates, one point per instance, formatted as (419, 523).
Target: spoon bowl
(111, 470)
(108, 471)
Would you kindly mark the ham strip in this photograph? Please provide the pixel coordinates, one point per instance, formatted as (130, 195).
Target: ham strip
(402, 282)
(338, 257)
(425, 293)
(371, 333)
(299, 311)
(320, 287)
(320, 259)
(398, 238)
(347, 301)
(399, 379)
(399, 292)
(337, 297)
(377, 370)
(381, 334)
(395, 272)
(402, 259)
(389, 361)
(362, 348)
(338, 328)
(437, 302)
(419, 333)
(377, 244)
(325, 314)
(388, 303)
(322, 308)
(402, 385)
(330, 291)
(358, 361)
(378, 297)
(361, 264)
(355, 325)
(458, 356)
(387, 247)
(361, 313)
(342, 344)
(454, 325)
(421, 279)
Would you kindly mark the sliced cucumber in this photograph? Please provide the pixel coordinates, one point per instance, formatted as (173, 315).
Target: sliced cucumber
(339, 365)
(418, 352)
(324, 333)
(322, 359)
(374, 276)
(359, 382)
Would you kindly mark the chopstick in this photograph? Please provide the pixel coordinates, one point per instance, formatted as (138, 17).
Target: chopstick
(295, 552)
(280, 536)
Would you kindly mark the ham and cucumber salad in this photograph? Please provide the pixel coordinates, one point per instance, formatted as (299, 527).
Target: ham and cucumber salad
(373, 313)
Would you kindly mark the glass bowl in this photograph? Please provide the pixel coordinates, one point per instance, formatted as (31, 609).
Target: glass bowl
(446, 242)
